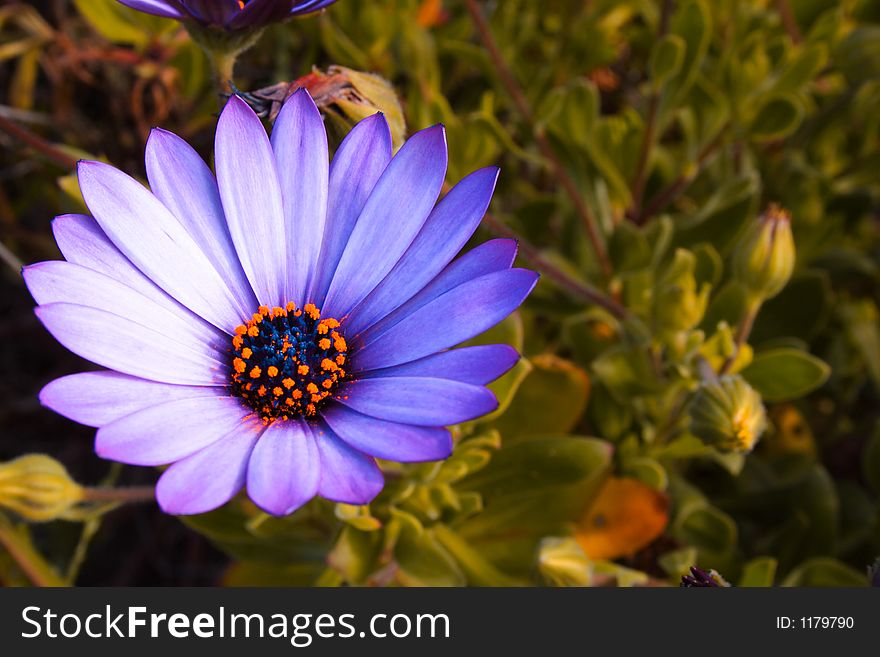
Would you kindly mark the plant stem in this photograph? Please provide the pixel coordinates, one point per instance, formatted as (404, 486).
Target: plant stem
(641, 175)
(223, 71)
(123, 495)
(576, 288)
(522, 104)
(39, 144)
(669, 193)
(31, 563)
(742, 333)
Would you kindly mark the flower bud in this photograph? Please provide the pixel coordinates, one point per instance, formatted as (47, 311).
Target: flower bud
(700, 578)
(562, 562)
(679, 304)
(728, 414)
(765, 258)
(38, 488)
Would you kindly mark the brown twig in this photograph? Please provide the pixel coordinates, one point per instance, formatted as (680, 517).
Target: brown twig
(39, 144)
(576, 288)
(641, 176)
(669, 193)
(788, 21)
(522, 105)
(122, 495)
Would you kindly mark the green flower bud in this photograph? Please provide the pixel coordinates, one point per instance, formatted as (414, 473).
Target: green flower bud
(38, 488)
(728, 414)
(562, 562)
(765, 258)
(679, 304)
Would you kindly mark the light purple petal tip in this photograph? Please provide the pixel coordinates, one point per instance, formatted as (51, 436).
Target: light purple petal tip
(404, 443)
(417, 400)
(347, 475)
(284, 469)
(209, 478)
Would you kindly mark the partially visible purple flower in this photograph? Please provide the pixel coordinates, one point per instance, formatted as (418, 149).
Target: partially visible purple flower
(286, 323)
(700, 578)
(231, 15)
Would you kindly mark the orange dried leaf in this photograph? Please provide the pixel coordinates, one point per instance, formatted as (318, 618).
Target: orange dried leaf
(625, 517)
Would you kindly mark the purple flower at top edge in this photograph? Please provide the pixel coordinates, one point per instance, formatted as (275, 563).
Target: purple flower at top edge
(229, 14)
(283, 324)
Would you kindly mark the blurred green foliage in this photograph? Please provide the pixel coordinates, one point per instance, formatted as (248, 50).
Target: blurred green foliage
(678, 123)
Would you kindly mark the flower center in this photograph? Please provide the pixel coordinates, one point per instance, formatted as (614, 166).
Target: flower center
(287, 361)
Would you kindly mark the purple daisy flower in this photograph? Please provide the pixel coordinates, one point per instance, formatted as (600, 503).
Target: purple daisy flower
(229, 14)
(282, 325)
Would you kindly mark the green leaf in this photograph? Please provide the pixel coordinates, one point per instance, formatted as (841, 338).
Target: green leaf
(706, 528)
(550, 400)
(422, 560)
(119, 24)
(781, 374)
(536, 486)
(760, 571)
(824, 571)
(666, 59)
(777, 118)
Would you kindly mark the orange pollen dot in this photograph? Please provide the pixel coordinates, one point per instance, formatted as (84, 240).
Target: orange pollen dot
(328, 383)
(296, 394)
(272, 371)
(277, 391)
(239, 365)
(289, 401)
(312, 388)
(264, 310)
(255, 373)
(246, 353)
(291, 306)
(237, 342)
(288, 383)
(324, 343)
(241, 329)
(303, 369)
(253, 331)
(261, 391)
(278, 312)
(323, 328)
(257, 318)
(340, 360)
(329, 365)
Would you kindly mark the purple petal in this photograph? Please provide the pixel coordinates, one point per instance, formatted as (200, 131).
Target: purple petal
(404, 443)
(183, 182)
(251, 197)
(450, 319)
(257, 13)
(152, 238)
(209, 478)
(99, 398)
(128, 347)
(491, 256)
(171, 431)
(417, 400)
(347, 475)
(83, 243)
(392, 217)
(357, 165)
(300, 144)
(58, 281)
(477, 365)
(155, 7)
(445, 232)
(300, 8)
(284, 469)
(212, 12)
